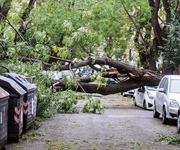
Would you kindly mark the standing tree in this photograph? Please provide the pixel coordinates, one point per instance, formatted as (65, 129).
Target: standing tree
(160, 25)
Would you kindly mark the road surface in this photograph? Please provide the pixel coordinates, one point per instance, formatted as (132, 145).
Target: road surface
(121, 127)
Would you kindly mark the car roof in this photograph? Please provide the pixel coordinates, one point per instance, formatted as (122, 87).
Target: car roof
(173, 76)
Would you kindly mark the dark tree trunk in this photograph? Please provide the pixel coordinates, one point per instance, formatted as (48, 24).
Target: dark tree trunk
(112, 88)
(155, 6)
(168, 69)
(132, 77)
(167, 9)
(152, 61)
(158, 32)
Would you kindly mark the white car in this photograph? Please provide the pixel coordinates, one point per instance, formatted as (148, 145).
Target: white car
(178, 121)
(128, 93)
(167, 100)
(144, 97)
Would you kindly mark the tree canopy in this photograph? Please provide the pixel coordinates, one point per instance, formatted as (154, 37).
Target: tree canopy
(56, 35)
(81, 29)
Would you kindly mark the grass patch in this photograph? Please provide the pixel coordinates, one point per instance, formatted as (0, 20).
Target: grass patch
(170, 140)
(57, 145)
(31, 137)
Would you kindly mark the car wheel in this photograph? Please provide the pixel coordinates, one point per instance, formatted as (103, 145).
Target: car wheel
(134, 101)
(155, 113)
(144, 105)
(178, 124)
(164, 119)
(124, 95)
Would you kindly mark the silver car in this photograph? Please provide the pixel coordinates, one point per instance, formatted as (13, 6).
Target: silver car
(167, 99)
(178, 121)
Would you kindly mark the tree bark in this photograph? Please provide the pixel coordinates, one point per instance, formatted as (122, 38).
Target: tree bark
(151, 60)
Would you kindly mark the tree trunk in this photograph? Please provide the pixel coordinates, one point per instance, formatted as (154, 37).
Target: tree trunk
(155, 5)
(152, 61)
(130, 77)
(167, 69)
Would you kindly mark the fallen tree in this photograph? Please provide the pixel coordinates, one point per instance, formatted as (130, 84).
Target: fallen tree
(128, 77)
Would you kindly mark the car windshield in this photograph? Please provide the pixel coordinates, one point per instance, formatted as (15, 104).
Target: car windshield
(175, 86)
(152, 88)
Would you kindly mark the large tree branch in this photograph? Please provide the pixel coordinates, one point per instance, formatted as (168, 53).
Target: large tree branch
(7, 21)
(122, 68)
(132, 76)
(113, 88)
(24, 17)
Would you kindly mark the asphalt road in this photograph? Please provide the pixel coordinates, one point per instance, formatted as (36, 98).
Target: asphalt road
(121, 127)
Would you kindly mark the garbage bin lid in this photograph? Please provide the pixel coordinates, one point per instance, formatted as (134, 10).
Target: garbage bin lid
(20, 80)
(3, 93)
(11, 86)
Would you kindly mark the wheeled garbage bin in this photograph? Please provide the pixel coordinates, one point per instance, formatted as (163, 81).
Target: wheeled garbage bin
(30, 79)
(30, 99)
(4, 96)
(15, 108)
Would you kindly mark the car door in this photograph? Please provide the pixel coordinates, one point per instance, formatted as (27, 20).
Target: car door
(140, 95)
(160, 95)
(164, 98)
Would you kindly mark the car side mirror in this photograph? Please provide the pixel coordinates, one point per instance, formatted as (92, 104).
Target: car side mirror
(141, 90)
(161, 90)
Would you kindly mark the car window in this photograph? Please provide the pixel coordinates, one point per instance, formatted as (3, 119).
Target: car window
(161, 85)
(165, 85)
(152, 88)
(175, 86)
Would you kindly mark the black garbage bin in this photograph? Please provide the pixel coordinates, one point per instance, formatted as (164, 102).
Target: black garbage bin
(30, 99)
(30, 79)
(15, 108)
(4, 97)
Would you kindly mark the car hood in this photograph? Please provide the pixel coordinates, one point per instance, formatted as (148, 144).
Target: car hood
(152, 92)
(175, 96)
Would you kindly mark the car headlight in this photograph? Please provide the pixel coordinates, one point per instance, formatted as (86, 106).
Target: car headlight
(150, 95)
(173, 103)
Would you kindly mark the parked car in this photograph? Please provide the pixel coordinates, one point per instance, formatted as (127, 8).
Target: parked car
(167, 99)
(84, 71)
(57, 75)
(144, 97)
(128, 93)
(112, 81)
(178, 120)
